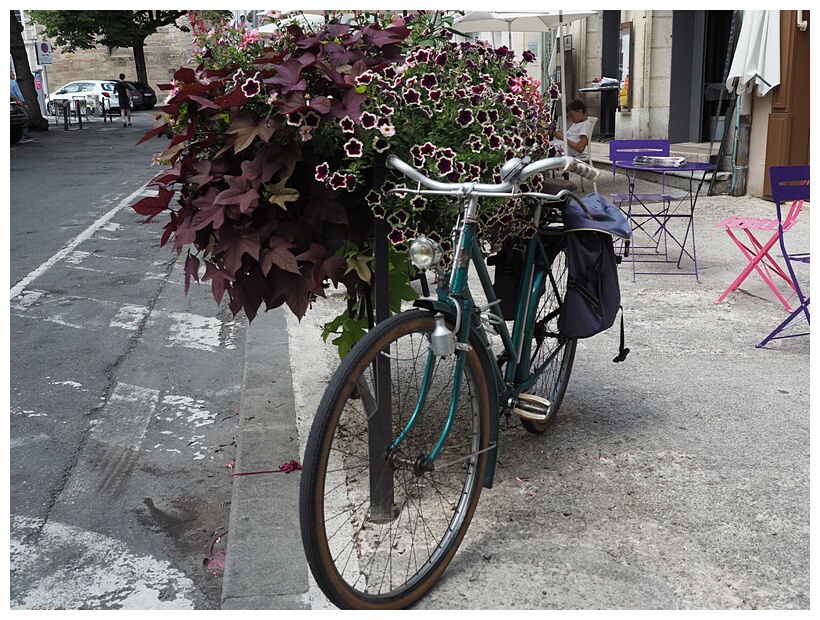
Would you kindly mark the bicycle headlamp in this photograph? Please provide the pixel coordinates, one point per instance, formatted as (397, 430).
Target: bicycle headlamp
(425, 253)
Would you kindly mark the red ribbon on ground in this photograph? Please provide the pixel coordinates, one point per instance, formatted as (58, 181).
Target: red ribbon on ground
(284, 468)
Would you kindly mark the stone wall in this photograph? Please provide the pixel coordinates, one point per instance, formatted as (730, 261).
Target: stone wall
(165, 52)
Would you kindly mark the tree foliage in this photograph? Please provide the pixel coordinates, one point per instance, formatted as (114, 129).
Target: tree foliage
(73, 30)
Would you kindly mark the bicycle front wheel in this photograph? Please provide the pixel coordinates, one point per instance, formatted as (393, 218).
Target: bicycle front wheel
(553, 381)
(378, 526)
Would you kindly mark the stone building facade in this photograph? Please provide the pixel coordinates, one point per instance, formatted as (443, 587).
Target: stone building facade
(165, 52)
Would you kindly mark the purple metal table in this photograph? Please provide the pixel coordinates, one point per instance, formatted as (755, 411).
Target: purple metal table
(651, 214)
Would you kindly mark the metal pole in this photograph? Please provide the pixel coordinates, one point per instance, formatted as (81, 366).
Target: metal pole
(560, 61)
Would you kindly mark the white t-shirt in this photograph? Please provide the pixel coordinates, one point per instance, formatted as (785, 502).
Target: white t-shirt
(574, 133)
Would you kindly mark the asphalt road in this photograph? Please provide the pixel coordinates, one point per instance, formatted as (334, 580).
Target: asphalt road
(124, 392)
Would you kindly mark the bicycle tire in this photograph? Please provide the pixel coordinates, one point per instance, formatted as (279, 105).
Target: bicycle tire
(553, 381)
(361, 561)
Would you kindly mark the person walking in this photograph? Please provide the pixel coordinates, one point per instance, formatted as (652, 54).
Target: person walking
(124, 96)
(21, 101)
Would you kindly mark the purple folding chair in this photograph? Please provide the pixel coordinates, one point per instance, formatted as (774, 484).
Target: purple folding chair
(790, 184)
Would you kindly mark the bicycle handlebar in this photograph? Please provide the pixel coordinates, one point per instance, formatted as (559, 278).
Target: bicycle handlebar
(565, 164)
(396, 163)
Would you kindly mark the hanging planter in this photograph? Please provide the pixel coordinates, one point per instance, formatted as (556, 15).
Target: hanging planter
(269, 178)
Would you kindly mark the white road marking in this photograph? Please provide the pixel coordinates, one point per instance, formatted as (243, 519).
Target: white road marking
(69, 248)
(129, 317)
(192, 409)
(104, 572)
(196, 332)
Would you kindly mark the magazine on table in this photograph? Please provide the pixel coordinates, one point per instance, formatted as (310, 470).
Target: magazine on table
(659, 162)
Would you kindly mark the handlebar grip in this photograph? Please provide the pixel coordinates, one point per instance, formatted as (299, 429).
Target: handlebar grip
(580, 168)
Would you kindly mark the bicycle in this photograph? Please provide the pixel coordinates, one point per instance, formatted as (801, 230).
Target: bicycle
(406, 433)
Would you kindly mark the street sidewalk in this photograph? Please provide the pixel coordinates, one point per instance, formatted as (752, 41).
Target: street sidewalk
(678, 479)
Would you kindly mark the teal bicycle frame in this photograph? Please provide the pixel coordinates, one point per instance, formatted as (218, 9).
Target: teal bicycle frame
(455, 300)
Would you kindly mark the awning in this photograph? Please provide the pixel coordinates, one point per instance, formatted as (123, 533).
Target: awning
(757, 56)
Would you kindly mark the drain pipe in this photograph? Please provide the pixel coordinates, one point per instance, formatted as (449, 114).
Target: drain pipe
(740, 163)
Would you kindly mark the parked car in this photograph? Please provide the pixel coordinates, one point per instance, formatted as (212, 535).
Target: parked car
(93, 92)
(149, 97)
(19, 119)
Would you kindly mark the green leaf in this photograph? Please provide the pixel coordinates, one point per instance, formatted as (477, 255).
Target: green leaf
(352, 331)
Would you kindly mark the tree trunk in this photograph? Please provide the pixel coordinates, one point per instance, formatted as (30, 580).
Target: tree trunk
(25, 79)
(139, 59)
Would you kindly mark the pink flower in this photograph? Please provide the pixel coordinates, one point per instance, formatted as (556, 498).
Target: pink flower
(304, 131)
(387, 130)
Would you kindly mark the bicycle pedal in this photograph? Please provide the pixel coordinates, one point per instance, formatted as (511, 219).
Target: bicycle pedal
(532, 407)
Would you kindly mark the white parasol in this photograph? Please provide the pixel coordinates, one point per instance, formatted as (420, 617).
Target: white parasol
(757, 55)
(304, 20)
(525, 21)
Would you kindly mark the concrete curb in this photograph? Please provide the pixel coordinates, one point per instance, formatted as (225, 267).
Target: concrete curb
(265, 566)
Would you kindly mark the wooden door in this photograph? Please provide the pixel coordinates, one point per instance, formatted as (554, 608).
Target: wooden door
(787, 140)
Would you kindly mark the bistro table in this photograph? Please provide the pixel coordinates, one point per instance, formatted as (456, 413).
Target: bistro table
(652, 214)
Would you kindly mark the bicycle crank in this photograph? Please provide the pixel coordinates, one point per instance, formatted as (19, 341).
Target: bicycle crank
(532, 407)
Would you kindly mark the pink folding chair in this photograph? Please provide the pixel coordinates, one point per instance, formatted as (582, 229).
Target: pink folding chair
(758, 253)
(790, 183)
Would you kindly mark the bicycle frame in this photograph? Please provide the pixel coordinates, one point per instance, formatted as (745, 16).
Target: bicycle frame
(455, 295)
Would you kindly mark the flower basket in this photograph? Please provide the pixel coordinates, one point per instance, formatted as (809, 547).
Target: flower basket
(277, 143)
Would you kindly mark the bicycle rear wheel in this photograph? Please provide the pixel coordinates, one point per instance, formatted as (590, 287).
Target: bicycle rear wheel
(378, 529)
(553, 381)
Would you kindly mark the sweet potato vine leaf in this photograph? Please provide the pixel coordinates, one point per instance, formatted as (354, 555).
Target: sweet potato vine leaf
(288, 76)
(235, 242)
(359, 264)
(191, 270)
(219, 280)
(279, 254)
(280, 195)
(152, 206)
(246, 129)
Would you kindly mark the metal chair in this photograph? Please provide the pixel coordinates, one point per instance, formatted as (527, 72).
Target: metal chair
(758, 253)
(790, 183)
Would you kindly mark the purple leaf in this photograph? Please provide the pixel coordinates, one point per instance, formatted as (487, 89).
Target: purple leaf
(323, 206)
(234, 242)
(240, 193)
(191, 270)
(351, 105)
(392, 35)
(219, 280)
(288, 76)
(216, 561)
(279, 254)
(153, 205)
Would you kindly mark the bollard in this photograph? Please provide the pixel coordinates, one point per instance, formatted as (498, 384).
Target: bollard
(66, 113)
(77, 111)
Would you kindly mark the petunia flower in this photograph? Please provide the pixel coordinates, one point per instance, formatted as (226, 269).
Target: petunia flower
(348, 126)
(368, 120)
(380, 145)
(465, 117)
(322, 172)
(411, 96)
(353, 148)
